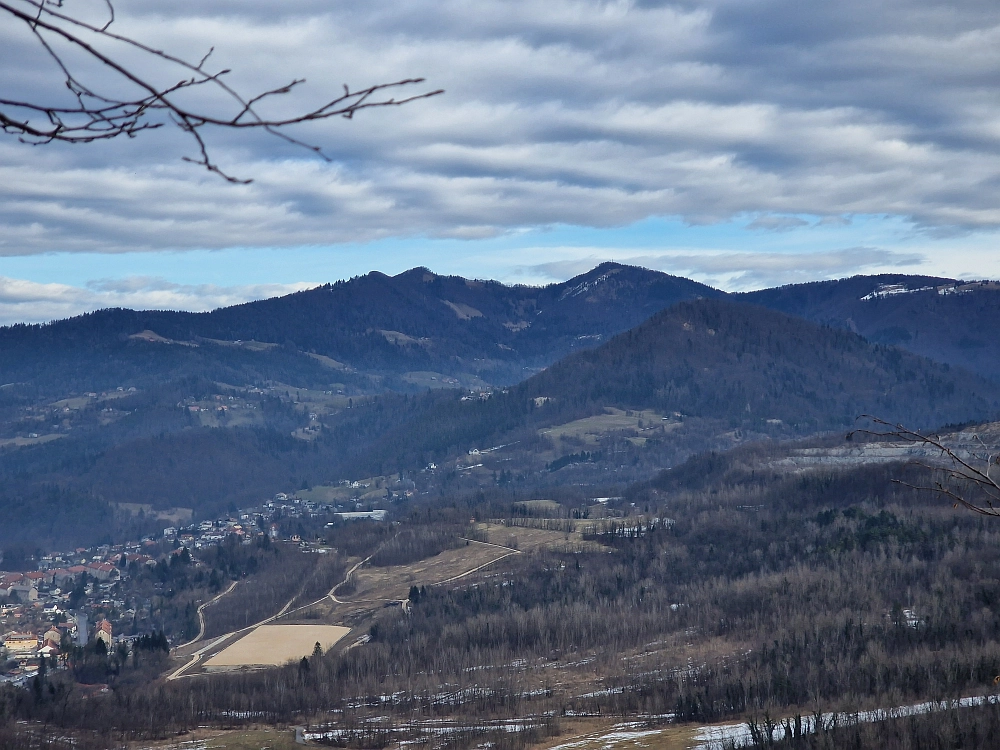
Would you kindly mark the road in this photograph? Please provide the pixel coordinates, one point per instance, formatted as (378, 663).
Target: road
(197, 655)
(510, 551)
(332, 593)
(201, 617)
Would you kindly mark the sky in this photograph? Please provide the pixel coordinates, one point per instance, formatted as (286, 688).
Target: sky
(742, 143)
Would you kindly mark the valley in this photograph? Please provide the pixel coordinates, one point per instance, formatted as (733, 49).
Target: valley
(611, 513)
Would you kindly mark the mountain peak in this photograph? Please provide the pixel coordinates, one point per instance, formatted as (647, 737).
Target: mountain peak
(419, 273)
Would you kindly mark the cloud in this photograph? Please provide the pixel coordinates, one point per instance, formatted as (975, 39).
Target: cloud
(580, 112)
(772, 223)
(28, 301)
(743, 271)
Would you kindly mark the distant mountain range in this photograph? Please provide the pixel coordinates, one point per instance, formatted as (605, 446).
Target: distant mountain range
(418, 329)
(371, 333)
(712, 368)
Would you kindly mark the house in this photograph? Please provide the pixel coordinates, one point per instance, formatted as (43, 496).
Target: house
(52, 637)
(9, 579)
(61, 576)
(103, 633)
(21, 643)
(24, 592)
(37, 577)
(103, 571)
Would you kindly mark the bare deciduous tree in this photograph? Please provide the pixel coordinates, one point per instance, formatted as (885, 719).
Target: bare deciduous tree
(963, 476)
(136, 103)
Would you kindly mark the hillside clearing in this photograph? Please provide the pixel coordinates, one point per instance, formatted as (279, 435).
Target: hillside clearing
(590, 430)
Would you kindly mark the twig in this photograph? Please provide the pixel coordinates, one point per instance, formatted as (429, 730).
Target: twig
(96, 116)
(960, 474)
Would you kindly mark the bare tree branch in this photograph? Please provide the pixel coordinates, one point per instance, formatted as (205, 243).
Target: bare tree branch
(964, 477)
(95, 116)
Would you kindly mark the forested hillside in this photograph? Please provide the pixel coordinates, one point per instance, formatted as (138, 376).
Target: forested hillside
(712, 372)
(708, 368)
(403, 333)
(735, 365)
(846, 591)
(373, 333)
(747, 365)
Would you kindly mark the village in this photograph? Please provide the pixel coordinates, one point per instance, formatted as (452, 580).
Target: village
(77, 599)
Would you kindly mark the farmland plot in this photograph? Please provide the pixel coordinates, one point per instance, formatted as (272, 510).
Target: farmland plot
(271, 645)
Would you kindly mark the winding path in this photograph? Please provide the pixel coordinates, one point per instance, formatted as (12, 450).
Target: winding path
(347, 577)
(510, 551)
(201, 617)
(196, 656)
(331, 594)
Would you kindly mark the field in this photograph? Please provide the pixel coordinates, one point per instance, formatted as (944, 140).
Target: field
(526, 538)
(277, 644)
(393, 583)
(583, 734)
(439, 380)
(369, 488)
(22, 441)
(590, 429)
(329, 362)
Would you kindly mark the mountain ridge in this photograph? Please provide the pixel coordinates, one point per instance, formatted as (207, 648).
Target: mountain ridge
(419, 329)
(375, 324)
(720, 371)
(945, 319)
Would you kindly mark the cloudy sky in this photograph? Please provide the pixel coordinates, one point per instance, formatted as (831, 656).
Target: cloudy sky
(744, 143)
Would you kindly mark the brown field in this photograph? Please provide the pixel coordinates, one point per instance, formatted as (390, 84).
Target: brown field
(371, 487)
(329, 362)
(576, 735)
(374, 588)
(393, 583)
(153, 337)
(74, 402)
(254, 346)
(276, 644)
(529, 539)
(428, 379)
